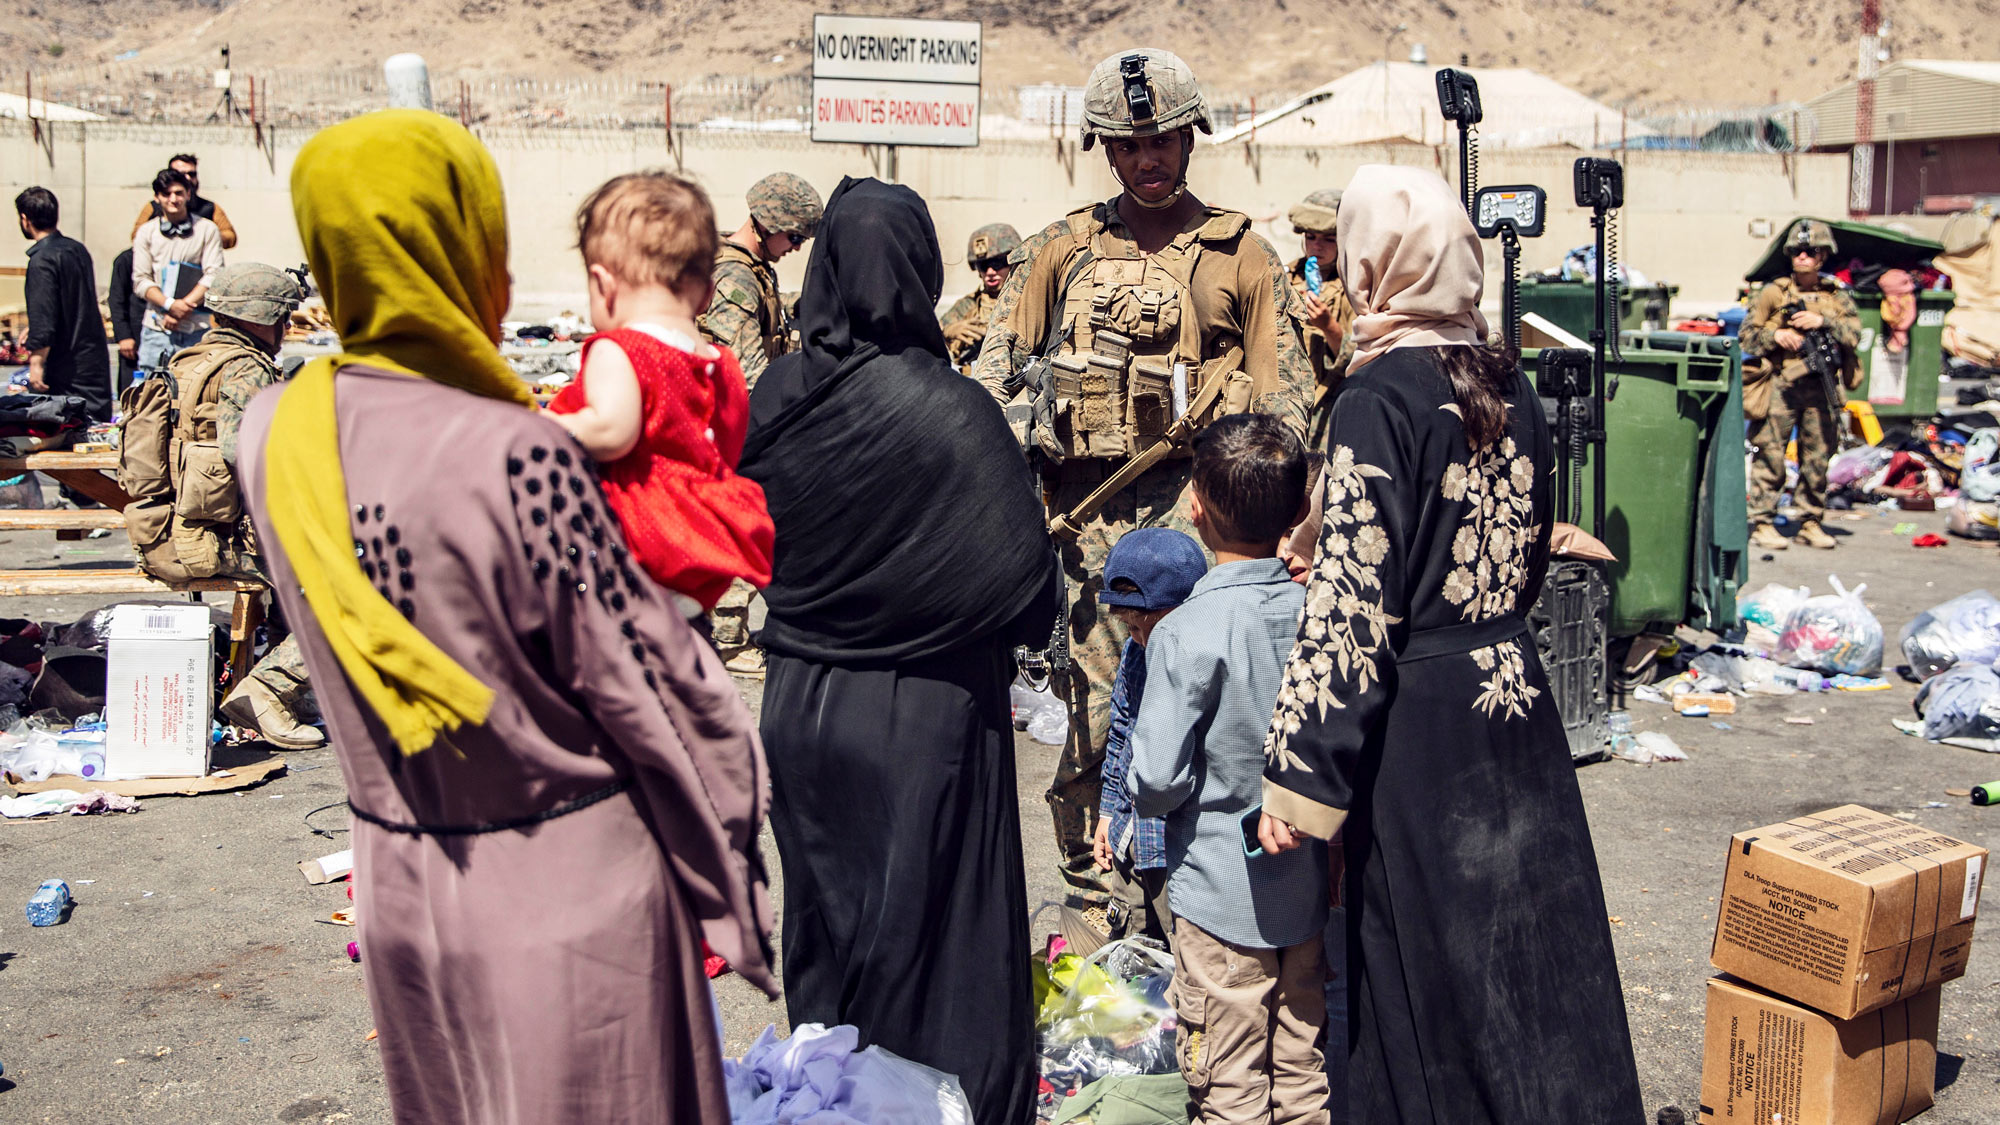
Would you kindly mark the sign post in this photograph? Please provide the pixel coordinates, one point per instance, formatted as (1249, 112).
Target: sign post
(895, 82)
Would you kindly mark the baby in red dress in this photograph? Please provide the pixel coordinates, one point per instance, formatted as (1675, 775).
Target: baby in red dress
(662, 411)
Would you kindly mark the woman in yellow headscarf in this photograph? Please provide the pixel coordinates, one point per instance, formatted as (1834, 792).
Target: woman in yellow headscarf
(557, 788)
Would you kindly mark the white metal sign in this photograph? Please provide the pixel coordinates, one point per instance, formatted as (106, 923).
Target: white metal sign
(896, 81)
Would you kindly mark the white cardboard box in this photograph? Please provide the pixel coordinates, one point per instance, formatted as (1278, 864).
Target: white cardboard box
(159, 691)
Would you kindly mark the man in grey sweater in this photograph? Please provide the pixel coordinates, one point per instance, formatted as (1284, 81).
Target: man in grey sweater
(1248, 958)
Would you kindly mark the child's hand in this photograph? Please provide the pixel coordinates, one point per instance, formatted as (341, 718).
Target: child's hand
(1100, 844)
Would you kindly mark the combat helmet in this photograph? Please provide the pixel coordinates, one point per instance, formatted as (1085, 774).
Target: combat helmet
(1810, 234)
(994, 240)
(1139, 93)
(255, 293)
(783, 203)
(1319, 212)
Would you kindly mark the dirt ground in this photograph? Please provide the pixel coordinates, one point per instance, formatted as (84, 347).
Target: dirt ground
(197, 980)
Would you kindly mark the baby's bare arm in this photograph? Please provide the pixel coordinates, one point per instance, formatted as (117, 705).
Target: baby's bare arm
(608, 427)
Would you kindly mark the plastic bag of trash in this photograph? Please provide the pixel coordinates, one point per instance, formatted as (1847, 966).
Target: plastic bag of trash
(1108, 1013)
(1771, 605)
(1833, 633)
(1961, 702)
(1647, 747)
(1853, 465)
(817, 1074)
(1964, 630)
(1040, 712)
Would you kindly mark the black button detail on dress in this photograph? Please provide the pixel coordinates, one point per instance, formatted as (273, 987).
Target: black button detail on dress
(402, 556)
(392, 535)
(555, 479)
(539, 454)
(533, 485)
(588, 509)
(361, 513)
(596, 535)
(557, 502)
(541, 569)
(631, 631)
(408, 608)
(515, 466)
(576, 485)
(380, 512)
(576, 524)
(375, 544)
(572, 552)
(562, 458)
(562, 576)
(618, 601)
(555, 541)
(653, 681)
(638, 652)
(368, 568)
(406, 580)
(540, 517)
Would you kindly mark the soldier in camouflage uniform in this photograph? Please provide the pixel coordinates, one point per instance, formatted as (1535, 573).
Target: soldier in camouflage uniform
(748, 316)
(1326, 319)
(1790, 396)
(1202, 301)
(965, 323)
(252, 304)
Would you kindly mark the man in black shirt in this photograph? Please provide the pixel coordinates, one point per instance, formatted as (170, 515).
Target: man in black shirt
(128, 315)
(67, 352)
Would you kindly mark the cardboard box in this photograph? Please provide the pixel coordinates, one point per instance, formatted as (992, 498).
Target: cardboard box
(159, 691)
(1847, 910)
(1769, 1060)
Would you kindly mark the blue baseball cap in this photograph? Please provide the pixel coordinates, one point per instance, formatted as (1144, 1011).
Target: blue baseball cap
(1161, 565)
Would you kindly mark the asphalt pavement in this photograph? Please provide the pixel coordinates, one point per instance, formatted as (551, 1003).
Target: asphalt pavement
(199, 980)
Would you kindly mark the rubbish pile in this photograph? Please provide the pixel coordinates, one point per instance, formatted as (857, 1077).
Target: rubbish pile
(817, 1075)
(1789, 642)
(548, 354)
(1102, 1016)
(1954, 648)
(1947, 464)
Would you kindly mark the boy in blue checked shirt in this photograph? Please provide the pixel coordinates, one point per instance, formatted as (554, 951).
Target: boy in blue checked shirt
(1148, 573)
(1249, 960)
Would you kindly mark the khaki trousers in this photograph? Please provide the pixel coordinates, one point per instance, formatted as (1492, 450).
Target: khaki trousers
(1250, 1022)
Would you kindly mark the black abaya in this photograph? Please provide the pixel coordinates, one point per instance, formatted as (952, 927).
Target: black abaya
(910, 559)
(906, 914)
(1484, 987)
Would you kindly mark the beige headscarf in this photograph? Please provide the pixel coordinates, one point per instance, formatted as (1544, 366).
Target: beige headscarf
(1411, 262)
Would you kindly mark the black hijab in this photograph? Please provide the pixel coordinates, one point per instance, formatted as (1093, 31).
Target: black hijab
(907, 523)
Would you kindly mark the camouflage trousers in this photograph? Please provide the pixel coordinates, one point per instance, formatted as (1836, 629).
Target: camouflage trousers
(283, 670)
(1158, 498)
(730, 619)
(1799, 404)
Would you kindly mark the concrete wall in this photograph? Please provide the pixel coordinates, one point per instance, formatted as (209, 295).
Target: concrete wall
(1687, 219)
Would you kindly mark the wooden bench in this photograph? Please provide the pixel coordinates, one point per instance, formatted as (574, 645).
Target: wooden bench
(85, 473)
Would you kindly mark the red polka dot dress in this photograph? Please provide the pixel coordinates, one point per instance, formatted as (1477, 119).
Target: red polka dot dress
(692, 522)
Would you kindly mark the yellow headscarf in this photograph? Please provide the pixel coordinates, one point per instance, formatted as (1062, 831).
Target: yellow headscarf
(405, 229)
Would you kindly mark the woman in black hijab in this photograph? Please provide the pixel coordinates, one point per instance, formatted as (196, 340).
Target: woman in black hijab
(911, 559)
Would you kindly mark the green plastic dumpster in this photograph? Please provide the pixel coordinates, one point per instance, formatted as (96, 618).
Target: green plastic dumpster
(1898, 384)
(1675, 508)
(1570, 304)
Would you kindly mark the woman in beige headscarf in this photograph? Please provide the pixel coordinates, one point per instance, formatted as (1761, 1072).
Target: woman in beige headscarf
(1416, 721)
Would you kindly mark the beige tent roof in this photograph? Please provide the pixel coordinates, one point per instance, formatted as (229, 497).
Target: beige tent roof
(17, 107)
(1398, 101)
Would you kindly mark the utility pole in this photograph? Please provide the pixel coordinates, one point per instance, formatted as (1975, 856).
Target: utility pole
(1861, 160)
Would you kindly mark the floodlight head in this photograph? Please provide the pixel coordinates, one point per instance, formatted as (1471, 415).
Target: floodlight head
(1520, 208)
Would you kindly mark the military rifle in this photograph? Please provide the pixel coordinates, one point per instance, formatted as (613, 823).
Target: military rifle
(1822, 355)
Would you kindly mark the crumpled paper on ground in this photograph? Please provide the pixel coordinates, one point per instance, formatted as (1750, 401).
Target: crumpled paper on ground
(816, 1077)
(51, 801)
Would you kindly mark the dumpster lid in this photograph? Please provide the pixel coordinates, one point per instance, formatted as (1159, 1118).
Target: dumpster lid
(1876, 246)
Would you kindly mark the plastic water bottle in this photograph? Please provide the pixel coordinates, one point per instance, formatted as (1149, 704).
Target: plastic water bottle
(90, 765)
(1801, 679)
(1618, 722)
(49, 901)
